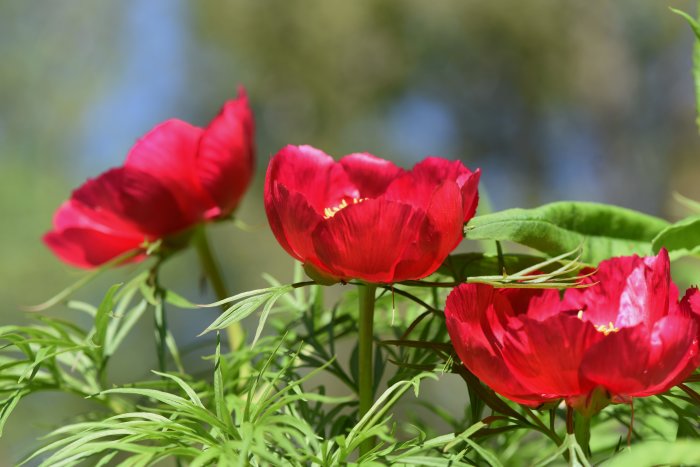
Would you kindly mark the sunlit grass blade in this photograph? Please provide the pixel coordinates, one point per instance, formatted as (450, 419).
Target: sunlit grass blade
(246, 306)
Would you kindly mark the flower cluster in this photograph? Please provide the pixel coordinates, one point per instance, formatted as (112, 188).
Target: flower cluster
(625, 335)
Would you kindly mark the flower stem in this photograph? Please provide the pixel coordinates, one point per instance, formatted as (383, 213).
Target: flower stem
(366, 362)
(235, 333)
(582, 431)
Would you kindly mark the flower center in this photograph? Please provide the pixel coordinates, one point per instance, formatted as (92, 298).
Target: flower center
(604, 328)
(330, 212)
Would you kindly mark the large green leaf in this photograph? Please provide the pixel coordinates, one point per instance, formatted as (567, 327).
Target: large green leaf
(680, 239)
(685, 452)
(601, 230)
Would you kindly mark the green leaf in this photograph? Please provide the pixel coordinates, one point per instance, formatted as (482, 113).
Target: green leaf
(685, 452)
(102, 317)
(178, 300)
(601, 230)
(123, 325)
(247, 304)
(222, 410)
(695, 26)
(465, 265)
(266, 312)
(484, 453)
(680, 239)
(9, 405)
(191, 393)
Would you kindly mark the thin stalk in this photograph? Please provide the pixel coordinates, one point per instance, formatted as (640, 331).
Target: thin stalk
(582, 431)
(501, 261)
(366, 361)
(161, 329)
(234, 332)
(569, 420)
(160, 322)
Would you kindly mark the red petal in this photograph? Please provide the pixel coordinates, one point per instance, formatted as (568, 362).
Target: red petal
(439, 234)
(645, 291)
(470, 193)
(87, 248)
(225, 158)
(475, 316)
(366, 240)
(87, 238)
(313, 174)
(646, 294)
(674, 352)
(371, 175)
(168, 153)
(619, 361)
(538, 304)
(435, 170)
(136, 199)
(690, 308)
(601, 302)
(418, 185)
(73, 214)
(636, 363)
(292, 220)
(690, 305)
(545, 356)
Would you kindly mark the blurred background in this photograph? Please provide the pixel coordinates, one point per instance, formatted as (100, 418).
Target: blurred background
(552, 99)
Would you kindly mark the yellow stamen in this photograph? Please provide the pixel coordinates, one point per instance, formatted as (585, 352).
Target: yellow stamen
(330, 212)
(604, 328)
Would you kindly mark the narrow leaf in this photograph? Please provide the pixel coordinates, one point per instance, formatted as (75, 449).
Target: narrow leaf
(102, 317)
(695, 26)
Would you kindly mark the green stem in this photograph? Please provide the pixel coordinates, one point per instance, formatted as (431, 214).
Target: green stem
(582, 430)
(235, 333)
(161, 328)
(366, 366)
(501, 261)
(160, 323)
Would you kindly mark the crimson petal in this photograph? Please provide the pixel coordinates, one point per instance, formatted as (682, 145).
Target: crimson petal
(440, 233)
(545, 356)
(88, 248)
(292, 220)
(312, 173)
(601, 302)
(476, 315)
(225, 157)
(168, 153)
(136, 197)
(619, 362)
(371, 175)
(365, 240)
(538, 304)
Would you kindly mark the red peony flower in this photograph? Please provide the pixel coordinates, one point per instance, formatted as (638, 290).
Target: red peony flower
(627, 336)
(176, 176)
(364, 217)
